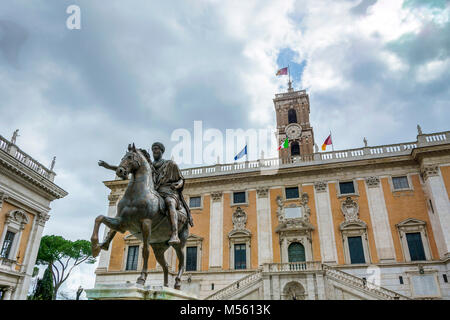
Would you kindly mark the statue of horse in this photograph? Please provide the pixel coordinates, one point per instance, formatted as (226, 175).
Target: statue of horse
(141, 211)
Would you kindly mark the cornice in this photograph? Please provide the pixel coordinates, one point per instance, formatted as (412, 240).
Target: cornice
(25, 175)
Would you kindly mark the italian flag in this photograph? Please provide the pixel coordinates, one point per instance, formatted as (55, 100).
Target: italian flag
(284, 145)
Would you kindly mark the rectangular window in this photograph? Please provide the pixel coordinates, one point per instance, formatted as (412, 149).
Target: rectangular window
(195, 202)
(240, 257)
(7, 244)
(132, 258)
(292, 193)
(239, 197)
(355, 247)
(346, 187)
(191, 258)
(415, 246)
(400, 182)
(400, 278)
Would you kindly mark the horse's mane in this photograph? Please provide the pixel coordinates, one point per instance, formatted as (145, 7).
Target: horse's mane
(146, 155)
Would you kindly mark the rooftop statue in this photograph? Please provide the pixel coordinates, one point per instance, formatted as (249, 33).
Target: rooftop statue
(152, 208)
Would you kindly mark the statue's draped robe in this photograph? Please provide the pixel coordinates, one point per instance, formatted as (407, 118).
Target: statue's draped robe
(165, 173)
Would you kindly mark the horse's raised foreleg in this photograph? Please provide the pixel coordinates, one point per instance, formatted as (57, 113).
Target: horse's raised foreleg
(146, 227)
(159, 250)
(108, 239)
(112, 223)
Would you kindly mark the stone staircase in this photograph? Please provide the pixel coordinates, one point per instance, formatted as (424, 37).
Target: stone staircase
(362, 285)
(346, 280)
(236, 287)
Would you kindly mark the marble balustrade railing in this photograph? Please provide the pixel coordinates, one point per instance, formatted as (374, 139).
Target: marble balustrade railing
(320, 157)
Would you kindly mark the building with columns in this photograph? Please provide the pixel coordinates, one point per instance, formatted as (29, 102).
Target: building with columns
(26, 190)
(366, 223)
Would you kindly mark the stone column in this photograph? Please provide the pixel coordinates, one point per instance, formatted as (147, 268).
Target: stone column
(103, 261)
(216, 231)
(310, 290)
(325, 223)
(38, 227)
(264, 226)
(441, 207)
(380, 221)
(320, 286)
(276, 290)
(7, 292)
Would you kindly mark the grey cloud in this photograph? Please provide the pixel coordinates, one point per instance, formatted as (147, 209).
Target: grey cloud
(12, 37)
(362, 7)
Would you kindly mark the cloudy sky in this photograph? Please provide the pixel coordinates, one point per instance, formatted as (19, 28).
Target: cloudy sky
(138, 70)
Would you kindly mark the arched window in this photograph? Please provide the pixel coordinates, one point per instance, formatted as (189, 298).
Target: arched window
(295, 149)
(292, 116)
(296, 252)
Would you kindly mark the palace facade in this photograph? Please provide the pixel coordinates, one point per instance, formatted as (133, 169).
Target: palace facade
(366, 223)
(26, 190)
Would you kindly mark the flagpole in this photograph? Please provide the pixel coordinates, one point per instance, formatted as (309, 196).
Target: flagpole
(246, 149)
(332, 144)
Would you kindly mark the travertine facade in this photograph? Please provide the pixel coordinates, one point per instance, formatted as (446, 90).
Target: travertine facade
(26, 190)
(368, 223)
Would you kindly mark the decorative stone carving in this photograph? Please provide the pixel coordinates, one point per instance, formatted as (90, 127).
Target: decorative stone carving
(113, 199)
(419, 130)
(216, 196)
(372, 182)
(262, 192)
(3, 197)
(350, 209)
(320, 186)
(18, 216)
(429, 171)
(239, 219)
(42, 218)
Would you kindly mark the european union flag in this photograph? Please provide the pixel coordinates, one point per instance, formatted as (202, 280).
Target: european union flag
(241, 154)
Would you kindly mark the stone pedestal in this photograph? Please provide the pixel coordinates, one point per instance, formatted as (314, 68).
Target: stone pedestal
(132, 291)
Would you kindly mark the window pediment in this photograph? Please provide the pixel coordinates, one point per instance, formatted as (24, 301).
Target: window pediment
(352, 225)
(18, 217)
(411, 222)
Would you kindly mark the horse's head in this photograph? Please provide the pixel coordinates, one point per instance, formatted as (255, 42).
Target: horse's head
(130, 163)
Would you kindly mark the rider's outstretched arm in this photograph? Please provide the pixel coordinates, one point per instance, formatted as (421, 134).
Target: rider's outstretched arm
(103, 164)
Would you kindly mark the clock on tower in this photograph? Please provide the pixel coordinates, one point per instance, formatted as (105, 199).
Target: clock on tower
(292, 113)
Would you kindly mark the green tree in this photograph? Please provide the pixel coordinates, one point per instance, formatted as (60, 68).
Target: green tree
(61, 256)
(44, 286)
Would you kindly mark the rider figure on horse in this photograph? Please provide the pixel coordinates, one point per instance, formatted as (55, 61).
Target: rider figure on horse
(169, 183)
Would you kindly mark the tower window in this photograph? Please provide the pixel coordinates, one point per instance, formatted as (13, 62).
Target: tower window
(292, 116)
(295, 149)
(445, 278)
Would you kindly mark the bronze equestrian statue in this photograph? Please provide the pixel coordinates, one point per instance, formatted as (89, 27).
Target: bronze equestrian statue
(153, 189)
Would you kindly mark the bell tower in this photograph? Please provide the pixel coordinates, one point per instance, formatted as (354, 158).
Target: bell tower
(292, 112)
